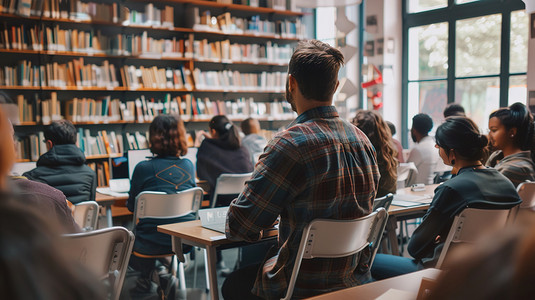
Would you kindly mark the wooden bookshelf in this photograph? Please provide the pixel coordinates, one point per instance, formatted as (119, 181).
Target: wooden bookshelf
(261, 29)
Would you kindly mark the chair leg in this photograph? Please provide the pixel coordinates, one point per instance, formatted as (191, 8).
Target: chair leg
(195, 268)
(206, 271)
(181, 276)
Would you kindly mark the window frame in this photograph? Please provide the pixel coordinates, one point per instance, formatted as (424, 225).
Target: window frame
(450, 14)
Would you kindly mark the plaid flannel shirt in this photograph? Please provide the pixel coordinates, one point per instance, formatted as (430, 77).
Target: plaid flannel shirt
(320, 167)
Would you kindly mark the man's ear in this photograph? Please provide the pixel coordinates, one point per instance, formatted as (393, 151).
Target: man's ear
(337, 84)
(292, 83)
(49, 144)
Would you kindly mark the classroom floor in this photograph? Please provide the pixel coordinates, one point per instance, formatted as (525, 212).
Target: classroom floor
(197, 292)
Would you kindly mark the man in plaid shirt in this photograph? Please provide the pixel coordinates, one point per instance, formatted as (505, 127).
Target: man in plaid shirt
(320, 167)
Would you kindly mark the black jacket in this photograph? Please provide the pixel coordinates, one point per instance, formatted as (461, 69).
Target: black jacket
(63, 167)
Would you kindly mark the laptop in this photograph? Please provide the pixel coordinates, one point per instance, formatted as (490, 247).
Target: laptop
(214, 218)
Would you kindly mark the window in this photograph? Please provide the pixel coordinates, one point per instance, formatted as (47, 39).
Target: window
(466, 51)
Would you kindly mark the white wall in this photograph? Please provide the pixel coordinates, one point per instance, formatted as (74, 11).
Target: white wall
(389, 17)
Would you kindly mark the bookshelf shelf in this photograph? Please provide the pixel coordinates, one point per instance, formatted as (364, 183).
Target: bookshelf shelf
(102, 156)
(227, 6)
(165, 58)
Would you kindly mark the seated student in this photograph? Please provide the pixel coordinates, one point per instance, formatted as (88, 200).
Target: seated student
(376, 129)
(254, 142)
(501, 266)
(511, 134)
(423, 154)
(397, 143)
(47, 200)
(222, 152)
(33, 264)
(63, 166)
(166, 172)
(454, 109)
(460, 145)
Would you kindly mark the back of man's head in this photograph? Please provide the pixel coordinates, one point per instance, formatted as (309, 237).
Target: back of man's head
(315, 67)
(249, 126)
(422, 123)
(61, 132)
(454, 109)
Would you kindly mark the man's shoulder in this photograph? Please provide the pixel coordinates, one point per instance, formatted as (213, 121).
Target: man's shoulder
(30, 186)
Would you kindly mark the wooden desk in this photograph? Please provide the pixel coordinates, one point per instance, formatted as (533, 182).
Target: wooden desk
(115, 206)
(408, 282)
(396, 213)
(192, 233)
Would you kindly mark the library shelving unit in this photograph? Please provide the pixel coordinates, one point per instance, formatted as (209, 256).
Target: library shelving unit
(111, 66)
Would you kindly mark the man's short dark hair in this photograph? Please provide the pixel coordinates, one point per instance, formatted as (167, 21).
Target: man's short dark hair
(61, 132)
(454, 109)
(392, 127)
(315, 66)
(422, 123)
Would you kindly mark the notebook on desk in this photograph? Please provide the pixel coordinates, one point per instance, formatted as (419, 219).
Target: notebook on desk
(410, 200)
(214, 218)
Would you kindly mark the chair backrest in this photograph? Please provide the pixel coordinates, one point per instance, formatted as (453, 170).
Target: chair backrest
(383, 202)
(229, 184)
(85, 214)
(161, 205)
(324, 238)
(104, 252)
(526, 191)
(407, 174)
(473, 223)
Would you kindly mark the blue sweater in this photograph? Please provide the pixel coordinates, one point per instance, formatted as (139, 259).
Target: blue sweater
(160, 174)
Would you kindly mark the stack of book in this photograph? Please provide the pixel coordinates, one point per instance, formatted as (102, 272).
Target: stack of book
(145, 46)
(228, 80)
(89, 110)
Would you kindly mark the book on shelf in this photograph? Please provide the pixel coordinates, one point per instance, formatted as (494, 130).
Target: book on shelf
(137, 140)
(151, 16)
(102, 170)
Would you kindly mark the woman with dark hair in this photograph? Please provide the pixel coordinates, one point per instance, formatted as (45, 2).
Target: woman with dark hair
(222, 152)
(377, 130)
(165, 172)
(511, 134)
(461, 146)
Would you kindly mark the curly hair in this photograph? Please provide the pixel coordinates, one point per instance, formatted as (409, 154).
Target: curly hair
(167, 136)
(378, 132)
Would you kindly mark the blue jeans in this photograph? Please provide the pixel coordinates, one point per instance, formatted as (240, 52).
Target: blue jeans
(386, 266)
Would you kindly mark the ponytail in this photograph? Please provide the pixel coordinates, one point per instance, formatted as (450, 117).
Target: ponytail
(227, 131)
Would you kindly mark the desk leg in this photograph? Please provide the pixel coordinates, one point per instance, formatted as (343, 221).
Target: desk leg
(391, 225)
(108, 216)
(212, 274)
(177, 248)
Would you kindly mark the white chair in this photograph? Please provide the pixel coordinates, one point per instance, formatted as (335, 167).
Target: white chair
(229, 184)
(526, 191)
(324, 238)
(85, 214)
(472, 223)
(160, 205)
(105, 252)
(383, 202)
(407, 174)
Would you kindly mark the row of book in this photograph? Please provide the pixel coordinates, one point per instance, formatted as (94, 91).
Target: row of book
(54, 38)
(224, 51)
(157, 78)
(152, 16)
(143, 109)
(228, 80)
(71, 74)
(104, 142)
(228, 24)
(65, 9)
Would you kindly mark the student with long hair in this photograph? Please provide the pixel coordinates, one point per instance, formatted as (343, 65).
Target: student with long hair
(511, 132)
(377, 130)
(460, 145)
(165, 172)
(222, 152)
